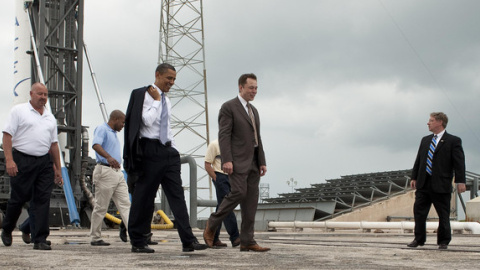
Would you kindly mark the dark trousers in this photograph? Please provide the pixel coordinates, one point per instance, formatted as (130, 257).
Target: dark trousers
(424, 198)
(222, 188)
(34, 181)
(244, 191)
(27, 225)
(160, 165)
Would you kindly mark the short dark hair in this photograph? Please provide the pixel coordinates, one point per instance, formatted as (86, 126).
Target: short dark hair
(243, 79)
(440, 116)
(162, 68)
(115, 114)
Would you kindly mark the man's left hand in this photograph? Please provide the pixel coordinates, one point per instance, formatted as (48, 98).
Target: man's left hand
(263, 170)
(58, 178)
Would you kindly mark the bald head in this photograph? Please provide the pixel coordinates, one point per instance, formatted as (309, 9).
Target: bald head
(38, 86)
(38, 96)
(117, 120)
(116, 114)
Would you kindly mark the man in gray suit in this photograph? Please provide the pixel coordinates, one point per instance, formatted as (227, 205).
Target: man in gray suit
(243, 160)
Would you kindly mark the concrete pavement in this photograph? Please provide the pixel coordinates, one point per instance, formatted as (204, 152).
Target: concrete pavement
(312, 249)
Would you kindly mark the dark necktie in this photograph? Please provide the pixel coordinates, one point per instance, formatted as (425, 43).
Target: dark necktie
(250, 113)
(431, 150)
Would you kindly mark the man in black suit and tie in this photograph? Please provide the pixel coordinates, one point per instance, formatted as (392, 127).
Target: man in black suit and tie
(440, 158)
(243, 160)
(151, 158)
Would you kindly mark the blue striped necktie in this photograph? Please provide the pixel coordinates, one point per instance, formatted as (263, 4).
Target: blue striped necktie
(431, 150)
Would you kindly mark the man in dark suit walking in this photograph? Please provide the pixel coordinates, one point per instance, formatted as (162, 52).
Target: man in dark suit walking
(151, 158)
(440, 158)
(243, 160)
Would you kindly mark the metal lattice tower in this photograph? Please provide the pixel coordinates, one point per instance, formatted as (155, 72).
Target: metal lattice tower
(182, 45)
(264, 192)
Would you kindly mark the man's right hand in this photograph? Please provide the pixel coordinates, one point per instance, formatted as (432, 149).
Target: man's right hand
(154, 93)
(113, 163)
(228, 167)
(12, 169)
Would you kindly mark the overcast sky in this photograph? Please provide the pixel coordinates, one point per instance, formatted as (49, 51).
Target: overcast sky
(345, 87)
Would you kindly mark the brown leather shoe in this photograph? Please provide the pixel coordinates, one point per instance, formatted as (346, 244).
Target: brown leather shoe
(236, 243)
(255, 248)
(208, 235)
(219, 244)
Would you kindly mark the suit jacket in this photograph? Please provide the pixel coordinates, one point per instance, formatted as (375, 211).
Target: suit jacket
(236, 136)
(133, 119)
(448, 160)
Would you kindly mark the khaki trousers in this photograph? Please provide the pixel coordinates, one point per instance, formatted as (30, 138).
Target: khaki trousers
(109, 184)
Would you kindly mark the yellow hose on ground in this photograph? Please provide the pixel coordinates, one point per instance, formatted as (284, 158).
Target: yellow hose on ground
(168, 225)
(113, 218)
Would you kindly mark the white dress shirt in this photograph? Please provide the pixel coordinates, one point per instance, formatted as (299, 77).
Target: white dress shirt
(439, 136)
(151, 117)
(244, 103)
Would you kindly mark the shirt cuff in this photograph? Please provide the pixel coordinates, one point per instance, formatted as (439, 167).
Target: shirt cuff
(156, 104)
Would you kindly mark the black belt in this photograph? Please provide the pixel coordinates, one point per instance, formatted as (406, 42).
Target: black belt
(103, 164)
(27, 155)
(167, 144)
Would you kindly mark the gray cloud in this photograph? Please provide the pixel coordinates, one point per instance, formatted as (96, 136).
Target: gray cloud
(341, 89)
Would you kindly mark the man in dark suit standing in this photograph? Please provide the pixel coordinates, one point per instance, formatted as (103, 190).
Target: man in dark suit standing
(151, 158)
(440, 158)
(243, 160)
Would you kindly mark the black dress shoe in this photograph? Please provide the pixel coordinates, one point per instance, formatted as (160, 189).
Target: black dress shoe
(149, 240)
(99, 243)
(47, 242)
(193, 246)
(41, 246)
(236, 243)
(123, 233)
(6, 238)
(144, 249)
(26, 238)
(442, 246)
(415, 244)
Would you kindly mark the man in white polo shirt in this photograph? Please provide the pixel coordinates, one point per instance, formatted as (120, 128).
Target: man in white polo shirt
(30, 145)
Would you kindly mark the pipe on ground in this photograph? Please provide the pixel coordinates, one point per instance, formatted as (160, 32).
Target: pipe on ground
(473, 227)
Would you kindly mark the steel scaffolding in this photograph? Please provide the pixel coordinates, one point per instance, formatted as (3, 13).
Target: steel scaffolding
(58, 27)
(182, 45)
